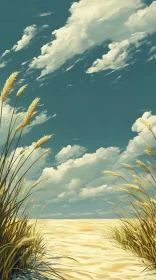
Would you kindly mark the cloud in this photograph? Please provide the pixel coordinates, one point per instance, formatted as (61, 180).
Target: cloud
(143, 20)
(68, 178)
(28, 34)
(45, 14)
(152, 51)
(140, 24)
(152, 57)
(114, 59)
(39, 119)
(70, 191)
(117, 57)
(69, 68)
(54, 116)
(3, 64)
(90, 24)
(92, 192)
(70, 152)
(75, 183)
(136, 146)
(23, 63)
(6, 52)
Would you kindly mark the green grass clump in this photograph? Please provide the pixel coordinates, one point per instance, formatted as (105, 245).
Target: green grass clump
(21, 246)
(137, 230)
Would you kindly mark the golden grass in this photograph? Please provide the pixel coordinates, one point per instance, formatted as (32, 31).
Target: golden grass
(137, 230)
(21, 246)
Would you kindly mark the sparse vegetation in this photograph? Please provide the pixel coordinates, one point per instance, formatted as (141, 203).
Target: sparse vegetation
(137, 229)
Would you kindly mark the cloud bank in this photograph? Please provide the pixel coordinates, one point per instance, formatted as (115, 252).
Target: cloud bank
(81, 178)
(78, 175)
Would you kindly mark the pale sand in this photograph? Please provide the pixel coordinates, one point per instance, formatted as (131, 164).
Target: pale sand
(84, 240)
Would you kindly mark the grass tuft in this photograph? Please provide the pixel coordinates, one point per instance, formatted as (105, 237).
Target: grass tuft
(137, 229)
(21, 246)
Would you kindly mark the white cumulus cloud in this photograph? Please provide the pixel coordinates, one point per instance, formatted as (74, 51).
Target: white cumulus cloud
(92, 192)
(70, 152)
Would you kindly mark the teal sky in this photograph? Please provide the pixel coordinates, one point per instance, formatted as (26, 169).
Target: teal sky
(92, 63)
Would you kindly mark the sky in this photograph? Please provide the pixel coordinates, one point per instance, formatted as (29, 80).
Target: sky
(92, 63)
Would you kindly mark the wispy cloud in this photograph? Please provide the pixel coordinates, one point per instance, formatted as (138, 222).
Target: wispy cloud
(45, 14)
(28, 34)
(153, 49)
(152, 53)
(54, 116)
(3, 64)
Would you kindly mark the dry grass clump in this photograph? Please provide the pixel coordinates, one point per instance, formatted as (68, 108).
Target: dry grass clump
(21, 247)
(137, 230)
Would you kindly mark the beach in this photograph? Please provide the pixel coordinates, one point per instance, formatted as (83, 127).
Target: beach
(85, 241)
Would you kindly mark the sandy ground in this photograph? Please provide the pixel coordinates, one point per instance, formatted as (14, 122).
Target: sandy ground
(84, 240)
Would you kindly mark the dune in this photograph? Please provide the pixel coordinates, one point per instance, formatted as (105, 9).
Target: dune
(85, 241)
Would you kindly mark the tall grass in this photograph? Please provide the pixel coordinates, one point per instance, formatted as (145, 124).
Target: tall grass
(21, 246)
(137, 230)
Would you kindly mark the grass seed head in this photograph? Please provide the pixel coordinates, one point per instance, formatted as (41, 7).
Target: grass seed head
(151, 165)
(19, 127)
(146, 123)
(29, 114)
(128, 166)
(20, 91)
(8, 86)
(30, 111)
(125, 190)
(113, 173)
(39, 181)
(149, 152)
(18, 115)
(47, 151)
(41, 141)
(148, 145)
(134, 187)
(139, 162)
